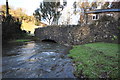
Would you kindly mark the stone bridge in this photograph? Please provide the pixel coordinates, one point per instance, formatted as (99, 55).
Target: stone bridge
(76, 34)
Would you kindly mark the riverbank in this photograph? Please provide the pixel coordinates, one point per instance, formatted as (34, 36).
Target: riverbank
(25, 38)
(95, 60)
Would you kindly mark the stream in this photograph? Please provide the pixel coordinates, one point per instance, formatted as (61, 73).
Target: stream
(36, 60)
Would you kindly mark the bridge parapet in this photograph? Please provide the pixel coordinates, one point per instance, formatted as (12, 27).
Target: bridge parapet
(69, 34)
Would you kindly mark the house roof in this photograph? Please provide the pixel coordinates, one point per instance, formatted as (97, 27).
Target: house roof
(103, 10)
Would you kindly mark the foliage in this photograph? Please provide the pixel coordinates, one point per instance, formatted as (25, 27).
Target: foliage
(115, 5)
(94, 5)
(28, 26)
(48, 11)
(18, 16)
(114, 37)
(85, 5)
(11, 28)
(3, 9)
(96, 60)
(17, 13)
(106, 5)
(37, 23)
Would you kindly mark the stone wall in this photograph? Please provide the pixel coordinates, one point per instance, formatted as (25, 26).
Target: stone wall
(99, 31)
(64, 34)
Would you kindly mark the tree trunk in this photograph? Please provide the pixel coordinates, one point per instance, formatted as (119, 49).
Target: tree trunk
(49, 22)
(7, 8)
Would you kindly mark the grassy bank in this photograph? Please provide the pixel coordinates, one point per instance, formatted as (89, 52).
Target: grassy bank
(96, 60)
(20, 40)
(26, 38)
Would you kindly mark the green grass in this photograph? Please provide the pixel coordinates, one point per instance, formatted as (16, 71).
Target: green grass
(21, 40)
(96, 60)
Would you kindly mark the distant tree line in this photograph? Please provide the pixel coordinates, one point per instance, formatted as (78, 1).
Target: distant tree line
(18, 13)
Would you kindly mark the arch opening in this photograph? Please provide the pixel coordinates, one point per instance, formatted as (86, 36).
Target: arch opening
(49, 40)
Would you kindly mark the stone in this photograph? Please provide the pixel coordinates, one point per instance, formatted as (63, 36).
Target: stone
(76, 34)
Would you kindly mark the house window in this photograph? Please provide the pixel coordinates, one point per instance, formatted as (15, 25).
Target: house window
(95, 17)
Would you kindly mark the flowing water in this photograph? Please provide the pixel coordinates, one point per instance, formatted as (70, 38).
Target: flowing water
(36, 60)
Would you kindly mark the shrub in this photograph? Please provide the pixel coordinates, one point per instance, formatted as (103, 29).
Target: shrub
(11, 28)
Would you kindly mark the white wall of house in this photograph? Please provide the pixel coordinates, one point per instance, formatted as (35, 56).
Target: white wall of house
(69, 17)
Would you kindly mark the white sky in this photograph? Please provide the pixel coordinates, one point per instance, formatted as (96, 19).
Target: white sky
(30, 5)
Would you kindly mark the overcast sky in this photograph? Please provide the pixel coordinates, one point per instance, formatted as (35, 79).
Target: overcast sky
(29, 5)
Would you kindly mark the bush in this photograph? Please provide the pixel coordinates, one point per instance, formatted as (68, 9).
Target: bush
(37, 23)
(11, 28)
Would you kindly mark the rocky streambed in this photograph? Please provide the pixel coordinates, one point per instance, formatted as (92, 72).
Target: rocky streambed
(36, 60)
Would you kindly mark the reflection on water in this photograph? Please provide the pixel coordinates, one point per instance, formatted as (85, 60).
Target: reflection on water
(29, 45)
(36, 60)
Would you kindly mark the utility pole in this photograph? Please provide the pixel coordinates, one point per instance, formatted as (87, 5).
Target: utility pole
(7, 8)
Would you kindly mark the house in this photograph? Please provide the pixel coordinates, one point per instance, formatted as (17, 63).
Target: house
(97, 14)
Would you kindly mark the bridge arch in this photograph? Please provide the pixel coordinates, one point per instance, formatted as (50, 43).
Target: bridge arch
(48, 40)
